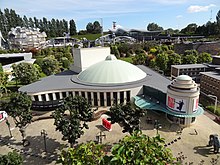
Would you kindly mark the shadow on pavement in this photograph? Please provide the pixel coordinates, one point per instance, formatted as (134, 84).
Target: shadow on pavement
(203, 150)
(35, 152)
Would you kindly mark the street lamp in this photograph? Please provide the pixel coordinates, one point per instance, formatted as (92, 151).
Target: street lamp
(100, 136)
(157, 126)
(216, 100)
(44, 134)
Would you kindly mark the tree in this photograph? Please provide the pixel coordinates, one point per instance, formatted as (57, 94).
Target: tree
(97, 28)
(204, 58)
(89, 27)
(72, 27)
(26, 73)
(141, 149)
(161, 61)
(173, 59)
(79, 112)
(190, 29)
(218, 18)
(189, 59)
(139, 59)
(19, 108)
(12, 158)
(154, 27)
(50, 65)
(88, 153)
(127, 115)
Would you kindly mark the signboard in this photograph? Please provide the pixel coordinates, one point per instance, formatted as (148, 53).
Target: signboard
(177, 104)
(195, 104)
(106, 124)
(3, 115)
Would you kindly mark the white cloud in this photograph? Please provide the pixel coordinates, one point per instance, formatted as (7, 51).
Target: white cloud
(179, 16)
(197, 8)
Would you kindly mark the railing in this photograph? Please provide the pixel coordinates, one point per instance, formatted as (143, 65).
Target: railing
(46, 104)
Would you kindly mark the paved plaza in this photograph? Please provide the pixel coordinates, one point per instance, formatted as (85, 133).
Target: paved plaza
(192, 142)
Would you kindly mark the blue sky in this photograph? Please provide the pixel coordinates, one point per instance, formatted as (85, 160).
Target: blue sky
(175, 14)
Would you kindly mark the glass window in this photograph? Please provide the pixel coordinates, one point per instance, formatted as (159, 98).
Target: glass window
(108, 94)
(122, 97)
(102, 102)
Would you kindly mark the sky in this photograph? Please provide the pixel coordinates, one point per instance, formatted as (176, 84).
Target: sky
(129, 14)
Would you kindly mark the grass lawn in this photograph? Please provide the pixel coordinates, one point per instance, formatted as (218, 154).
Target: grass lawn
(87, 36)
(127, 59)
(212, 107)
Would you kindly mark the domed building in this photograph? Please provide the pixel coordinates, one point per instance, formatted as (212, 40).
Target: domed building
(104, 80)
(96, 75)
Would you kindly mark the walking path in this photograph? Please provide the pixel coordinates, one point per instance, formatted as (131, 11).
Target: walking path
(192, 141)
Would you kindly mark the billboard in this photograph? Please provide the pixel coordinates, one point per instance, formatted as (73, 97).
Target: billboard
(195, 104)
(177, 104)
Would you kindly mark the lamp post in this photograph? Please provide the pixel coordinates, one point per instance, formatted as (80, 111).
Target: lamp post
(44, 134)
(157, 126)
(100, 136)
(216, 100)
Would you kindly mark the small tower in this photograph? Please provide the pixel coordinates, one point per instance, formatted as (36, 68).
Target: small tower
(182, 101)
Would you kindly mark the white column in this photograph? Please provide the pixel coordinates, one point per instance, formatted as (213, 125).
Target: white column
(105, 99)
(32, 98)
(125, 97)
(118, 97)
(67, 94)
(73, 92)
(112, 99)
(98, 98)
(39, 97)
(47, 97)
(54, 96)
(92, 98)
(61, 95)
(86, 95)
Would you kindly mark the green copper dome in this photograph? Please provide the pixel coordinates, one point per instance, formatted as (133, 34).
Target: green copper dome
(112, 71)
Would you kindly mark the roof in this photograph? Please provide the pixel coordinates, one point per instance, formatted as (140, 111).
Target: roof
(214, 75)
(150, 104)
(186, 66)
(64, 81)
(111, 71)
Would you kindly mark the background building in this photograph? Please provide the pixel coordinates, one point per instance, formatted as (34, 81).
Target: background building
(26, 38)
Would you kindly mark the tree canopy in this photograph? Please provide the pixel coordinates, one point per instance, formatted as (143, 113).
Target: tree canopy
(71, 118)
(25, 73)
(154, 27)
(12, 158)
(127, 115)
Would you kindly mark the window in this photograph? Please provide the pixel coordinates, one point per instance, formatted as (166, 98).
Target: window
(36, 98)
(115, 97)
(64, 94)
(108, 98)
(50, 95)
(102, 102)
(95, 99)
(83, 94)
(122, 97)
(43, 97)
(128, 93)
(57, 95)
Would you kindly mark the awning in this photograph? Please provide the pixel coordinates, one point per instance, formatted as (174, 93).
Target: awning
(152, 104)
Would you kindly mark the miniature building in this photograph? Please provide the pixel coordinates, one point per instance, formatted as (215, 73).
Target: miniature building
(183, 99)
(26, 38)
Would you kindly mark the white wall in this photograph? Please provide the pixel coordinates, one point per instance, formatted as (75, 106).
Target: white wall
(85, 57)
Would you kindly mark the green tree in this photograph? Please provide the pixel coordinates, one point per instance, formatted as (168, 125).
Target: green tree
(127, 115)
(97, 27)
(12, 158)
(25, 73)
(89, 27)
(72, 27)
(50, 65)
(19, 108)
(173, 59)
(154, 27)
(190, 29)
(88, 153)
(162, 61)
(141, 149)
(189, 59)
(139, 59)
(204, 58)
(79, 112)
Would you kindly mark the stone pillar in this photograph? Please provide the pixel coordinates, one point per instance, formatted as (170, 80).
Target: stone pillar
(61, 95)
(98, 98)
(39, 97)
(105, 99)
(112, 99)
(118, 98)
(54, 96)
(47, 97)
(92, 98)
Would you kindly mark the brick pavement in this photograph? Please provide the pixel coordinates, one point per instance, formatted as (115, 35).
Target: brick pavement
(192, 142)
